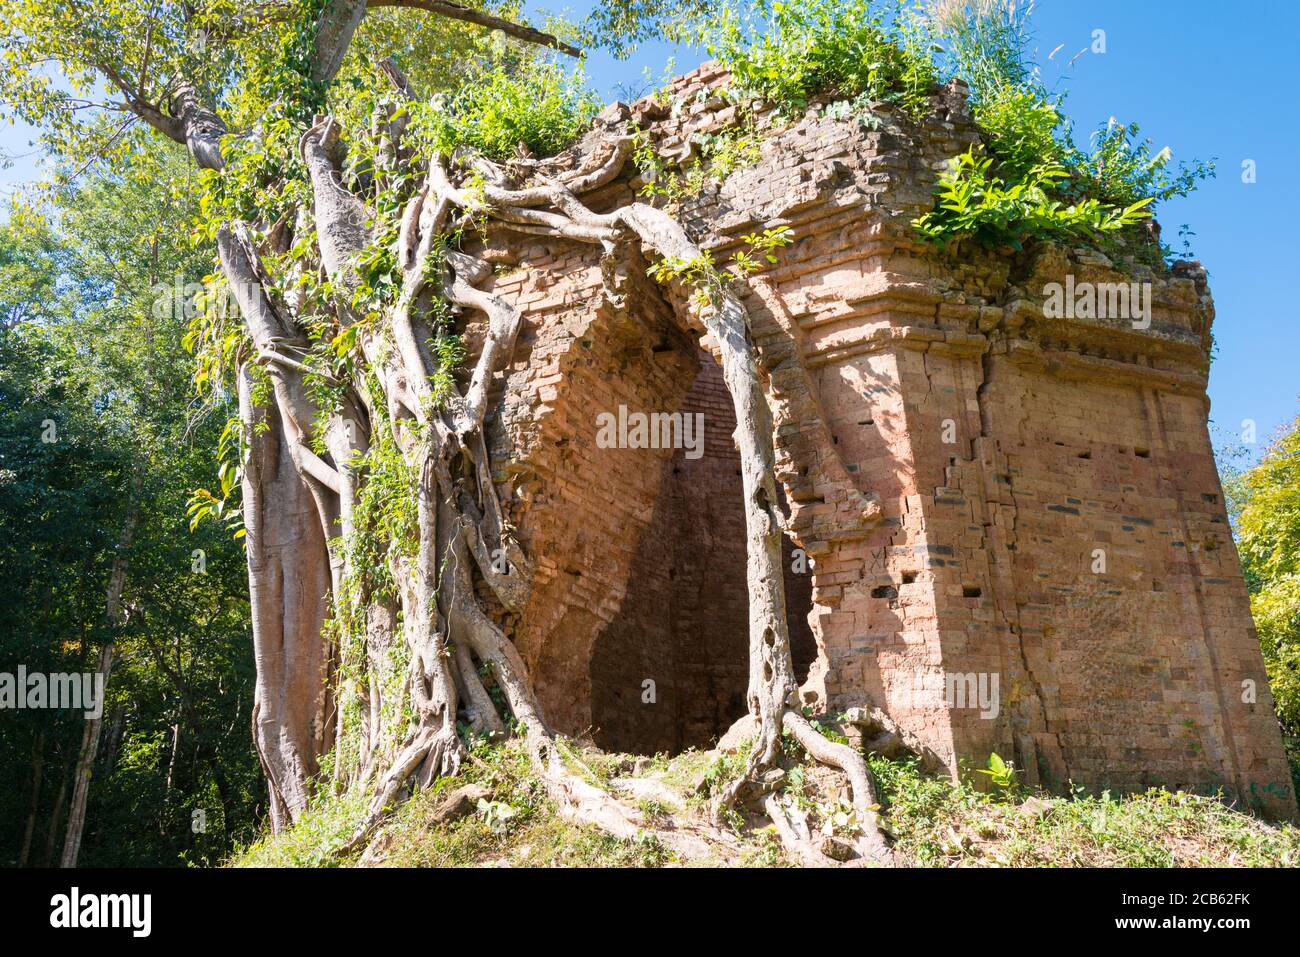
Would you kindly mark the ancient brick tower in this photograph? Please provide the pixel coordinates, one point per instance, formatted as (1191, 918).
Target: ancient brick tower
(1011, 534)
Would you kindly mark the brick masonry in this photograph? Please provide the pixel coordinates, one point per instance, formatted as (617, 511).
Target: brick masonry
(953, 463)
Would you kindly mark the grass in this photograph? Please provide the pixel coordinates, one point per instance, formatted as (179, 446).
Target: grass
(937, 823)
(518, 826)
(533, 834)
(313, 841)
(934, 821)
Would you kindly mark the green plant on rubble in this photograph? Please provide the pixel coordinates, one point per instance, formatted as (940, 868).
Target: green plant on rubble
(1001, 773)
(1079, 195)
(787, 53)
(730, 150)
(760, 248)
(543, 108)
(973, 202)
(1032, 184)
(716, 156)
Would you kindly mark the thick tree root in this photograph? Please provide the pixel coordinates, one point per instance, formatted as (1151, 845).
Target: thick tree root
(871, 842)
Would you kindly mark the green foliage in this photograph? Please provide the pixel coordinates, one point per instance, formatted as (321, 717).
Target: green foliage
(760, 249)
(717, 157)
(379, 281)
(1122, 169)
(730, 150)
(542, 108)
(223, 508)
(30, 262)
(315, 838)
(826, 731)
(517, 823)
(219, 342)
(1022, 128)
(384, 516)
(984, 41)
(1114, 185)
(786, 53)
(974, 203)
(94, 347)
(703, 277)
(1000, 773)
(86, 42)
(934, 821)
(449, 354)
(620, 26)
(1035, 184)
(1276, 609)
(1268, 527)
(698, 272)
(986, 44)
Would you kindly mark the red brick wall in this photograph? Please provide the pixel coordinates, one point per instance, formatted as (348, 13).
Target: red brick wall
(684, 623)
(932, 558)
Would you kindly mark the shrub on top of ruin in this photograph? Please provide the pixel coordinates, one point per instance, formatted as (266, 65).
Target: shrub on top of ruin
(1040, 184)
(1021, 128)
(543, 108)
(973, 202)
(787, 53)
(1122, 169)
(986, 44)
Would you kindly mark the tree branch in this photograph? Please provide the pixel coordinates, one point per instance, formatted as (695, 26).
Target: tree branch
(334, 28)
(457, 11)
(168, 126)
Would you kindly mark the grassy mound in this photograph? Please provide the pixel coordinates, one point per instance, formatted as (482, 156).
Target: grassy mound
(503, 817)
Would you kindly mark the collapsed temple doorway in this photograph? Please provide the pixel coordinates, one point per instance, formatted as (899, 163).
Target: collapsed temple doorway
(671, 671)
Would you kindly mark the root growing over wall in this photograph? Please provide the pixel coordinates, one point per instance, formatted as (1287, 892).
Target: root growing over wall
(459, 654)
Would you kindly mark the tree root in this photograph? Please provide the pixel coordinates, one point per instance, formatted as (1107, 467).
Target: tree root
(793, 832)
(871, 842)
(461, 531)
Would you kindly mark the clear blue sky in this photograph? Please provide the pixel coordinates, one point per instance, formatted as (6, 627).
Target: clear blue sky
(1205, 77)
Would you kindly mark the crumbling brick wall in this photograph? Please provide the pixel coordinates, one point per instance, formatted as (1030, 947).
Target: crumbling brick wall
(954, 464)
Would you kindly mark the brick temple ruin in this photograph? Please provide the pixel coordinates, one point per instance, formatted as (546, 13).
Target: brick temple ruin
(954, 462)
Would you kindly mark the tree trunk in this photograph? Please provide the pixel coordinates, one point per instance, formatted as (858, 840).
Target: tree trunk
(289, 589)
(113, 618)
(38, 766)
(171, 762)
(56, 815)
(81, 776)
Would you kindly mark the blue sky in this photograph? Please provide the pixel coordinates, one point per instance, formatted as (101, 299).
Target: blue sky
(1207, 78)
(1210, 80)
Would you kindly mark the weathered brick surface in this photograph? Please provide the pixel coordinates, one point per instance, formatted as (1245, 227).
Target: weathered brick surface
(951, 459)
